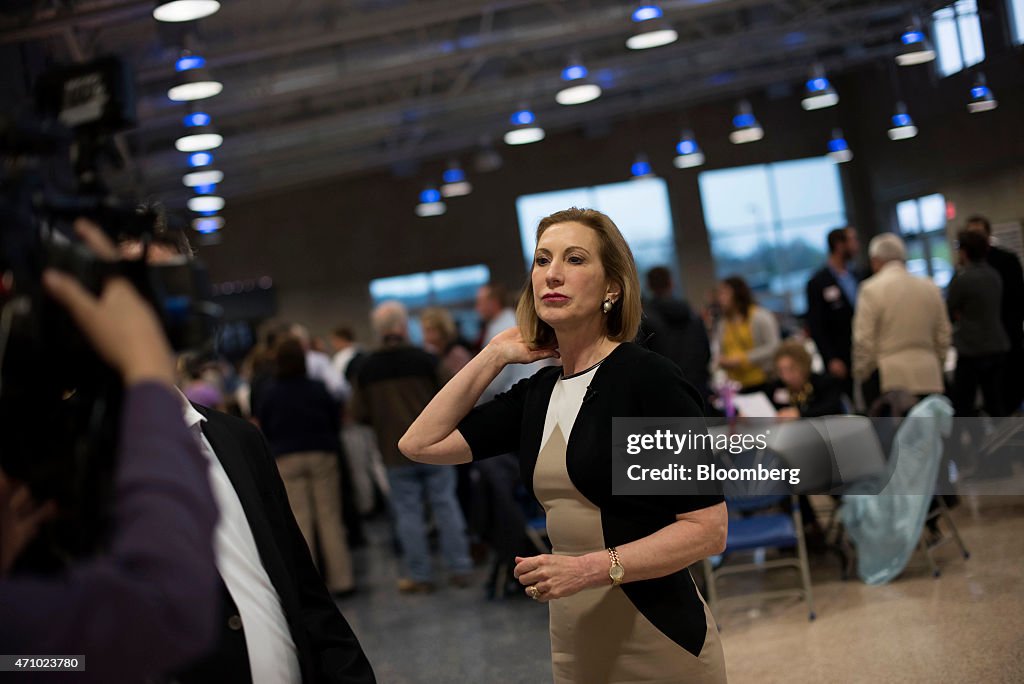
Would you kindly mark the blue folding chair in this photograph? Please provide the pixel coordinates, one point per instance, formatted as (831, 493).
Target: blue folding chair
(764, 530)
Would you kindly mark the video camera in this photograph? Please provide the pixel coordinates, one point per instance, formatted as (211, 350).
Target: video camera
(60, 404)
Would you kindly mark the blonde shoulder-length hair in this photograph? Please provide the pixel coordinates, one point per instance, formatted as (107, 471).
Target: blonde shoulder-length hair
(623, 321)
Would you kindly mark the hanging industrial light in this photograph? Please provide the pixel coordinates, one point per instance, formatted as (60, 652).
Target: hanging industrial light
(184, 10)
(650, 30)
(580, 88)
(982, 99)
(199, 134)
(193, 81)
(746, 128)
(195, 179)
(915, 47)
(198, 159)
(902, 125)
(838, 149)
(818, 91)
(206, 203)
(208, 224)
(641, 167)
(524, 129)
(487, 158)
(430, 203)
(455, 183)
(689, 152)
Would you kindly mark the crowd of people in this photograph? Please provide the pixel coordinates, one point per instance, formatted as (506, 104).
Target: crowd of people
(333, 412)
(459, 437)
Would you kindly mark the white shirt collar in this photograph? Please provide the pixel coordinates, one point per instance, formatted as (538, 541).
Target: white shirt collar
(192, 416)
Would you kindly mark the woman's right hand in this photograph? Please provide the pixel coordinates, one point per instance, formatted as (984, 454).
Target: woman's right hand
(508, 346)
(120, 324)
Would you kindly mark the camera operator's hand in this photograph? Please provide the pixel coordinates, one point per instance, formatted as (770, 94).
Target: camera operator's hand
(20, 518)
(121, 326)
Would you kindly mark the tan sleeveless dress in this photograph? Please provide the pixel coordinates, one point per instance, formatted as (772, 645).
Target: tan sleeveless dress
(598, 635)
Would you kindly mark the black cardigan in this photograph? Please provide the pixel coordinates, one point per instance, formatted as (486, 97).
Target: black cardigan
(825, 398)
(631, 382)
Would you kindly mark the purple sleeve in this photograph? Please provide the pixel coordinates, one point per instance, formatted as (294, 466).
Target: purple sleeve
(149, 605)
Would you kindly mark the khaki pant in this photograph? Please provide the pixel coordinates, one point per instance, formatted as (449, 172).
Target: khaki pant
(314, 492)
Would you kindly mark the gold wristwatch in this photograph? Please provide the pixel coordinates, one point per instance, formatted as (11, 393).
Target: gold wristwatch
(616, 571)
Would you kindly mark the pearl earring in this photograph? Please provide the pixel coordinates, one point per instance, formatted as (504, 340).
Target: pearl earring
(607, 306)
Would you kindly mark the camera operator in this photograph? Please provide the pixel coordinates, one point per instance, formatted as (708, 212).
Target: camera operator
(148, 604)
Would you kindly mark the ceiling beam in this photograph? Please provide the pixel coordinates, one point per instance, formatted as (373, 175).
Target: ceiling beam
(290, 164)
(226, 105)
(94, 15)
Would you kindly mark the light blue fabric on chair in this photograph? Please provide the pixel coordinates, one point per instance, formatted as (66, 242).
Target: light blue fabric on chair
(886, 528)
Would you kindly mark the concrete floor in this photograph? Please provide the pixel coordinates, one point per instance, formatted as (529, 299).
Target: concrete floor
(966, 626)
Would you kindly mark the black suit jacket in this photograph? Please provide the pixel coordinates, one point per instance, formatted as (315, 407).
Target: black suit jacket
(327, 649)
(825, 398)
(830, 318)
(1012, 314)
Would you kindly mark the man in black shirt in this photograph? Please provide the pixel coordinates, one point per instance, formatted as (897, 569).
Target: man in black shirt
(1012, 311)
(973, 300)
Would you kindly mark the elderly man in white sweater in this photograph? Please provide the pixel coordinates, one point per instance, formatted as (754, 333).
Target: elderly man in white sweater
(900, 328)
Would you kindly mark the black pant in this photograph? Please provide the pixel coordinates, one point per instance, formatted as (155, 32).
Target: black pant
(972, 372)
(1013, 388)
(871, 390)
(503, 522)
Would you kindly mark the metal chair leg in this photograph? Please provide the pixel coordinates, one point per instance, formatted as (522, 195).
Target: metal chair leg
(923, 545)
(801, 549)
(948, 517)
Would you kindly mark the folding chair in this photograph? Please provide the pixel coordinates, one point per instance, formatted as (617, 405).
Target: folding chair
(938, 512)
(761, 530)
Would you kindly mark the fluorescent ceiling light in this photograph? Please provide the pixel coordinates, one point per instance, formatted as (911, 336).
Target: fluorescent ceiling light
(425, 209)
(652, 39)
(208, 224)
(524, 136)
(202, 203)
(198, 90)
(578, 94)
(198, 142)
(204, 177)
(184, 10)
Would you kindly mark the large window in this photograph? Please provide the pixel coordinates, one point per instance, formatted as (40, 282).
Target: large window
(639, 208)
(1016, 8)
(957, 32)
(769, 224)
(922, 224)
(453, 288)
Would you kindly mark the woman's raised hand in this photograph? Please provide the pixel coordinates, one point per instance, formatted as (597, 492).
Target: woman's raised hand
(509, 347)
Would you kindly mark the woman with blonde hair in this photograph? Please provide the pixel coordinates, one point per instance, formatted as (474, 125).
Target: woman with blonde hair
(623, 607)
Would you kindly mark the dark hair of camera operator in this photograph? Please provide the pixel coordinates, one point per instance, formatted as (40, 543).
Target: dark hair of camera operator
(166, 243)
(149, 604)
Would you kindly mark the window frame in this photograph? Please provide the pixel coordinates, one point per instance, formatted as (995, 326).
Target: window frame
(957, 18)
